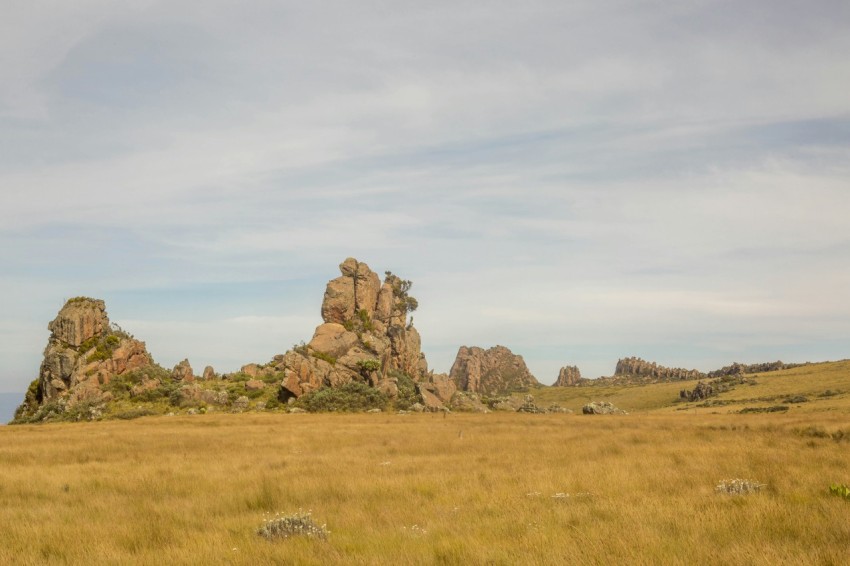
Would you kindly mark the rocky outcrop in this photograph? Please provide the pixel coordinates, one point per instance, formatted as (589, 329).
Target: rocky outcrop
(740, 369)
(638, 368)
(209, 373)
(601, 408)
(183, 372)
(490, 372)
(705, 389)
(84, 352)
(529, 406)
(365, 337)
(568, 376)
(701, 391)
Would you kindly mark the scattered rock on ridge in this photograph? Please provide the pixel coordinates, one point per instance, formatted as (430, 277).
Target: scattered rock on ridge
(490, 372)
(636, 367)
(739, 369)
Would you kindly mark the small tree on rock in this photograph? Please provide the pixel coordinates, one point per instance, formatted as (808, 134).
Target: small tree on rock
(403, 303)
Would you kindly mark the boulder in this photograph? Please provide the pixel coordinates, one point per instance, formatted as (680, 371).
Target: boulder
(254, 385)
(463, 401)
(529, 406)
(430, 401)
(209, 373)
(183, 372)
(601, 408)
(441, 385)
(333, 339)
(240, 404)
(251, 370)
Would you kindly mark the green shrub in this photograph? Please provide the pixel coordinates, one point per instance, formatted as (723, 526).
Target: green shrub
(407, 394)
(253, 393)
(103, 346)
(841, 490)
(369, 365)
(351, 397)
(135, 413)
(323, 356)
(365, 320)
(273, 378)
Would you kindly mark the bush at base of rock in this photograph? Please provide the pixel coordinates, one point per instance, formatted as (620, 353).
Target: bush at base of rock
(351, 397)
(407, 394)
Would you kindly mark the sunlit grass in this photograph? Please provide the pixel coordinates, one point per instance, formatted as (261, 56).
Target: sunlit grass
(426, 489)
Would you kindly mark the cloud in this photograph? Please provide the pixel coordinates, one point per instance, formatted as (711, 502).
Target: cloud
(574, 180)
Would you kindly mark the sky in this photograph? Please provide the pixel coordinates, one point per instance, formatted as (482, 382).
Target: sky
(579, 181)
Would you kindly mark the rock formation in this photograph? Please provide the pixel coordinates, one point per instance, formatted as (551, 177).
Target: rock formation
(84, 352)
(705, 389)
(490, 372)
(740, 369)
(183, 372)
(569, 375)
(365, 337)
(701, 391)
(636, 367)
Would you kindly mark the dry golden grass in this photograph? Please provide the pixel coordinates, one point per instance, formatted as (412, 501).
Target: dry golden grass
(478, 488)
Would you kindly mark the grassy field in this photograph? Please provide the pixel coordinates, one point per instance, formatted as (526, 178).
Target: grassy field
(502, 488)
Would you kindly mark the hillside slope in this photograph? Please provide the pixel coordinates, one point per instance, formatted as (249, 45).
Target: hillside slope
(825, 387)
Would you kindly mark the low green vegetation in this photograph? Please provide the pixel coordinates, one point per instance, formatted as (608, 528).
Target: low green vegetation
(369, 365)
(350, 398)
(841, 490)
(403, 302)
(407, 393)
(323, 356)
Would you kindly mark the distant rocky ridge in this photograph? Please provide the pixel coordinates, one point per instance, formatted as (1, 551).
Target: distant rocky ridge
(641, 368)
(636, 371)
(739, 369)
(490, 372)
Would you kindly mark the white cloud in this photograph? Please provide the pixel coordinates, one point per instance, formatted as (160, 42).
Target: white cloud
(553, 176)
